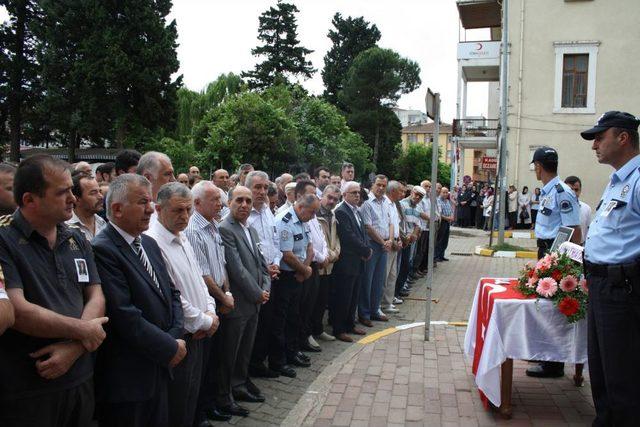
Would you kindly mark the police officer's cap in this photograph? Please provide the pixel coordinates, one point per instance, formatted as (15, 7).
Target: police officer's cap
(545, 155)
(612, 119)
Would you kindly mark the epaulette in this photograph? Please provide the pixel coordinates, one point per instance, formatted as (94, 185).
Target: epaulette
(6, 220)
(287, 217)
(559, 188)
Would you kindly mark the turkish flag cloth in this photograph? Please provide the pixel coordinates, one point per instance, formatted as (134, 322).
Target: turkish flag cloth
(489, 290)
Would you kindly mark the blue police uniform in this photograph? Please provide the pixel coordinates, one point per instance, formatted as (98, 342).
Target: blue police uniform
(613, 234)
(286, 294)
(558, 207)
(612, 267)
(294, 236)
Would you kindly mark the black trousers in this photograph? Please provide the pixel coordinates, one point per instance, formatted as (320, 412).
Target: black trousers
(614, 349)
(534, 215)
(72, 407)
(420, 260)
(324, 287)
(308, 298)
(285, 324)
(263, 335)
(185, 386)
(207, 393)
(343, 302)
(442, 240)
(153, 412)
(404, 269)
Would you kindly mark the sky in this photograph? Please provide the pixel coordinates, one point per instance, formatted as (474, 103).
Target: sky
(216, 37)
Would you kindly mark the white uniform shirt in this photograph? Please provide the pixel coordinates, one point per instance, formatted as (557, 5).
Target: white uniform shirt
(186, 275)
(264, 223)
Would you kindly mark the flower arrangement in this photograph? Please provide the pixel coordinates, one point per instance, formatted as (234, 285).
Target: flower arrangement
(558, 278)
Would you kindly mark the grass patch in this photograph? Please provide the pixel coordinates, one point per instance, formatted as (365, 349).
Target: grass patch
(508, 247)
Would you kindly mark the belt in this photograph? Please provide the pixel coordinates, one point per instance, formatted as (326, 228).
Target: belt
(614, 271)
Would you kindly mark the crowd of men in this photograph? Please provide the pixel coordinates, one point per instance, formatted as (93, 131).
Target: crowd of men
(135, 299)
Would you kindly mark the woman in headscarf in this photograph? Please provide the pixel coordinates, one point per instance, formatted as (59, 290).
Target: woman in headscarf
(487, 207)
(535, 204)
(524, 209)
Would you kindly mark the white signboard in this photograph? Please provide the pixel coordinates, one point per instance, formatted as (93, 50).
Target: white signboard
(479, 50)
(572, 250)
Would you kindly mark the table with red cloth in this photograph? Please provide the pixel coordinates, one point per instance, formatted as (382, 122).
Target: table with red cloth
(506, 325)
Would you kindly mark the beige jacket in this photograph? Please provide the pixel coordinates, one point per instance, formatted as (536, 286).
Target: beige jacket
(333, 242)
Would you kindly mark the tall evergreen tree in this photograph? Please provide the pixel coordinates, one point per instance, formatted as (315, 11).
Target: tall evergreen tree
(284, 57)
(350, 37)
(19, 81)
(374, 83)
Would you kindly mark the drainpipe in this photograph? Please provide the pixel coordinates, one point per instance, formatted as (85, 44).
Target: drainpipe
(518, 120)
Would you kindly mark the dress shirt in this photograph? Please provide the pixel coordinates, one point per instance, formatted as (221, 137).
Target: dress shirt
(585, 220)
(319, 243)
(394, 217)
(445, 207)
(186, 275)
(206, 242)
(264, 223)
(355, 212)
(247, 234)
(76, 222)
(3, 293)
(375, 213)
(284, 207)
(411, 213)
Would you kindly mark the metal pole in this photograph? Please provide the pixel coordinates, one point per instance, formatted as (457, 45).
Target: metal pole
(432, 214)
(504, 86)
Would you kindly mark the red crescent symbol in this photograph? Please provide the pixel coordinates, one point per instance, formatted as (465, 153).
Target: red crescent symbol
(479, 46)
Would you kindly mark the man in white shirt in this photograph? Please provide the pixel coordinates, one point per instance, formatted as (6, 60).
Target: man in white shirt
(395, 192)
(585, 210)
(89, 201)
(174, 204)
(322, 178)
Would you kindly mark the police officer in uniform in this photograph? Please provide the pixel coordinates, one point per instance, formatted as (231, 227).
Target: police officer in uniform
(295, 268)
(612, 267)
(559, 206)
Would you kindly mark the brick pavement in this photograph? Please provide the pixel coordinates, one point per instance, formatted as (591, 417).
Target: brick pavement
(402, 380)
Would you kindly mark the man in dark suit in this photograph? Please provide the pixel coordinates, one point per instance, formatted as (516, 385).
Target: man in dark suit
(250, 284)
(349, 268)
(143, 342)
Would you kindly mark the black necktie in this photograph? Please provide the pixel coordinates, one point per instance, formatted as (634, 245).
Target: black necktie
(137, 247)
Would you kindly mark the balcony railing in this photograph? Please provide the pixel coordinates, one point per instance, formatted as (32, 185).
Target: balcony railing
(470, 128)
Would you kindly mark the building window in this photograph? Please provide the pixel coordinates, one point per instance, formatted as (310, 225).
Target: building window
(575, 77)
(412, 138)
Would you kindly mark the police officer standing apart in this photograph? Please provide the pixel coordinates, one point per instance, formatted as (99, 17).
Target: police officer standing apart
(558, 207)
(612, 266)
(295, 268)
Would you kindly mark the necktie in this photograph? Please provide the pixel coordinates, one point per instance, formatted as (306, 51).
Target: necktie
(137, 247)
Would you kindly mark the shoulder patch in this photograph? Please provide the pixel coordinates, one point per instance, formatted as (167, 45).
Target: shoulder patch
(284, 235)
(6, 220)
(286, 217)
(559, 188)
(566, 206)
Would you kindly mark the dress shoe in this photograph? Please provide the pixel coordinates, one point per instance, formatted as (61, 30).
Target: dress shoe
(298, 361)
(253, 389)
(246, 396)
(303, 356)
(390, 309)
(261, 371)
(214, 414)
(444, 259)
(344, 337)
(543, 372)
(365, 322)
(358, 331)
(307, 345)
(235, 409)
(380, 318)
(326, 337)
(403, 293)
(312, 341)
(397, 300)
(284, 370)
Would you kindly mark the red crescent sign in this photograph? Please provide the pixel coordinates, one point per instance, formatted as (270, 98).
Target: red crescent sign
(479, 46)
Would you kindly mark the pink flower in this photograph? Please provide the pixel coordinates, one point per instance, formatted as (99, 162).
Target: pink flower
(544, 264)
(583, 286)
(569, 284)
(547, 287)
(531, 283)
(553, 256)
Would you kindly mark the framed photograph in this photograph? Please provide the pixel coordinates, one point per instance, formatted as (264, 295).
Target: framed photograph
(564, 235)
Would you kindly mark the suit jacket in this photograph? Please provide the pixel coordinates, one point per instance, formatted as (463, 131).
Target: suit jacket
(144, 321)
(246, 267)
(354, 243)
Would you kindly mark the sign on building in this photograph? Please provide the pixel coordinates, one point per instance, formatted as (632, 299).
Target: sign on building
(489, 163)
(478, 50)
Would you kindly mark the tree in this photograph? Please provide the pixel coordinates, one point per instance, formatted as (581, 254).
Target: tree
(284, 57)
(20, 90)
(375, 81)
(414, 165)
(248, 129)
(349, 37)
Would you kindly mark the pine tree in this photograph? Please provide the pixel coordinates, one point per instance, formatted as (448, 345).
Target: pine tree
(350, 37)
(285, 58)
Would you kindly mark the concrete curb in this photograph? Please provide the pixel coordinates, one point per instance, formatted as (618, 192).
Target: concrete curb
(522, 234)
(482, 251)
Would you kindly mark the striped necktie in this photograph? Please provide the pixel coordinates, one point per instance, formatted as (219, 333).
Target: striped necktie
(137, 247)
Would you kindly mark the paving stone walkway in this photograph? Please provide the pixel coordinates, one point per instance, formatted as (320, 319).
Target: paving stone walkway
(402, 380)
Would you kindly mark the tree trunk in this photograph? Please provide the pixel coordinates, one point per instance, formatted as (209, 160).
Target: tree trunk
(121, 133)
(16, 92)
(74, 142)
(376, 146)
